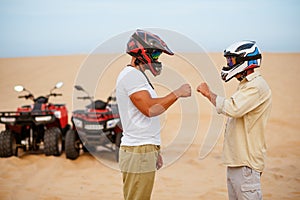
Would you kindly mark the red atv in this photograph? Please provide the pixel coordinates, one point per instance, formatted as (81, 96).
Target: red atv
(40, 126)
(98, 125)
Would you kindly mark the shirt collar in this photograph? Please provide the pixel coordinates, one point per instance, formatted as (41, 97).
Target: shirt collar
(253, 75)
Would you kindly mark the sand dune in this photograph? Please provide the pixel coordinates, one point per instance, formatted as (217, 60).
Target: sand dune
(35, 176)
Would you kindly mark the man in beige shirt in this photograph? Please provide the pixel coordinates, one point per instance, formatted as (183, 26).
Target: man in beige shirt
(248, 110)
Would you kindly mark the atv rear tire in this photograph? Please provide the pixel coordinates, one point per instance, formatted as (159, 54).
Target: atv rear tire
(53, 142)
(71, 145)
(8, 145)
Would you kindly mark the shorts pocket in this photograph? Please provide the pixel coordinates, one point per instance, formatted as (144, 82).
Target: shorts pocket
(251, 191)
(250, 188)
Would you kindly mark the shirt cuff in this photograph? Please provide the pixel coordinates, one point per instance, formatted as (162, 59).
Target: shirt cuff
(219, 104)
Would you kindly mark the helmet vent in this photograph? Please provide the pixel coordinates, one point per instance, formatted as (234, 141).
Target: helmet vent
(244, 46)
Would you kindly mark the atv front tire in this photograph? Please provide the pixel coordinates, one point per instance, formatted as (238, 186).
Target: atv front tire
(72, 145)
(53, 142)
(8, 145)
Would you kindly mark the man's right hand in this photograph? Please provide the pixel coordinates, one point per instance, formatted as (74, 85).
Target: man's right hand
(183, 91)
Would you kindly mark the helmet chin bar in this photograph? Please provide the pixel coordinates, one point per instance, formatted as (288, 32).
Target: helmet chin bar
(223, 76)
(156, 67)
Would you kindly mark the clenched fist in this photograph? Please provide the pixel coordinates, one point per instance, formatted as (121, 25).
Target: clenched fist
(183, 91)
(204, 89)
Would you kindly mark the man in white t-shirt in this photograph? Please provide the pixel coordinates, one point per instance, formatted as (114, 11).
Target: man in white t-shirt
(139, 108)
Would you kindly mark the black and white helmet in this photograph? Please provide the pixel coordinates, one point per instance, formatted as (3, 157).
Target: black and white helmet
(240, 57)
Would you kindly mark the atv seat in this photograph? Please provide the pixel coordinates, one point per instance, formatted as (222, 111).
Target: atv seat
(39, 104)
(98, 105)
(38, 108)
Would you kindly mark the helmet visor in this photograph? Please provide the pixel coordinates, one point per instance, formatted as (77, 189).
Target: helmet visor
(231, 61)
(155, 54)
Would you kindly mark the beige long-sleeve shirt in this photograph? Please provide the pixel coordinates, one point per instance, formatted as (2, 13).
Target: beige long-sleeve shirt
(248, 110)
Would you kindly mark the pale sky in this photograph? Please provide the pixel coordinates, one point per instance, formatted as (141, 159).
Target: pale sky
(61, 27)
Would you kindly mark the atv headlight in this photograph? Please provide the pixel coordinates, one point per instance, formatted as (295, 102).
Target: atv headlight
(8, 119)
(93, 127)
(43, 118)
(57, 114)
(112, 123)
(78, 123)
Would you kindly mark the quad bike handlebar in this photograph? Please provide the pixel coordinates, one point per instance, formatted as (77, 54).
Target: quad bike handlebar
(20, 88)
(54, 94)
(25, 96)
(85, 98)
(94, 103)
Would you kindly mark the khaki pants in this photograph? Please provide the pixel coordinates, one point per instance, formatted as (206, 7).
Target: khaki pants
(138, 166)
(243, 183)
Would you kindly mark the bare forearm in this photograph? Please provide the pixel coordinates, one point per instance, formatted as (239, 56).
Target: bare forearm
(160, 105)
(155, 106)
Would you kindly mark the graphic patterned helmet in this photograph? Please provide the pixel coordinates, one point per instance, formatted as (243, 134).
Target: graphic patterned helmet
(147, 47)
(240, 57)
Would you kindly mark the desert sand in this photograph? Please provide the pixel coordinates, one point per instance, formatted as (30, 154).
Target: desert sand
(36, 176)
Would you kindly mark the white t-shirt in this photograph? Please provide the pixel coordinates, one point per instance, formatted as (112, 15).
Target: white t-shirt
(138, 129)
